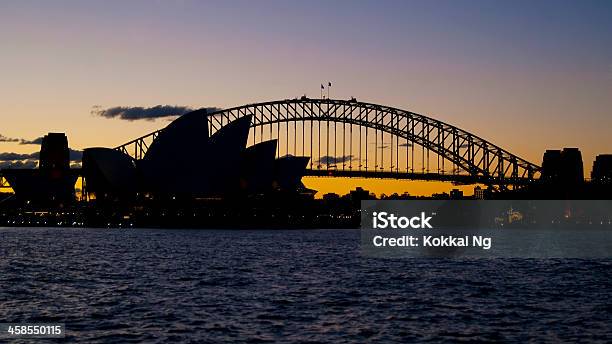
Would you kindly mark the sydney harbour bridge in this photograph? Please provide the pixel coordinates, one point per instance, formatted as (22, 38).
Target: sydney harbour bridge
(347, 138)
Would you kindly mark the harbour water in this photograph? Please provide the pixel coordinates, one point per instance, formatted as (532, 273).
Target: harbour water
(253, 286)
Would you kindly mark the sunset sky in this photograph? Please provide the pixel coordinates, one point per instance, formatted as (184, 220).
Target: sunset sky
(525, 75)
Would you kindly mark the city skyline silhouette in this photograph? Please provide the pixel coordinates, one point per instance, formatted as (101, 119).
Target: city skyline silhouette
(524, 83)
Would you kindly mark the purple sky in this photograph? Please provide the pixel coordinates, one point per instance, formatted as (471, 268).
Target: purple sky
(526, 75)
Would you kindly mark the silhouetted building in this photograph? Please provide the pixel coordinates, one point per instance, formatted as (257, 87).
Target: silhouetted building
(602, 169)
(573, 170)
(359, 194)
(54, 152)
(478, 192)
(456, 194)
(331, 197)
(53, 181)
(563, 167)
(551, 165)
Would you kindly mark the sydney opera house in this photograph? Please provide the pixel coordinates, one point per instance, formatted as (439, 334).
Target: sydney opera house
(183, 161)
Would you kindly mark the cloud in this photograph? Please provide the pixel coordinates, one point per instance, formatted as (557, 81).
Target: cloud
(7, 139)
(384, 145)
(75, 155)
(18, 160)
(18, 156)
(36, 141)
(18, 164)
(334, 160)
(30, 160)
(381, 145)
(133, 113)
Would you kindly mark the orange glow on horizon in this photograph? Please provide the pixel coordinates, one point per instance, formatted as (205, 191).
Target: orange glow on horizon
(342, 186)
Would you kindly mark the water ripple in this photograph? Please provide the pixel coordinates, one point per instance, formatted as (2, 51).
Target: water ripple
(159, 286)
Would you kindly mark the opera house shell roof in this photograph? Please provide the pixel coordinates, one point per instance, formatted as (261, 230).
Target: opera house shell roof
(109, 171)
(184, 160)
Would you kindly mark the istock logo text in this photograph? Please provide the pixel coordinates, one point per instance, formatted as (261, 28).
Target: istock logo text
(384, 220)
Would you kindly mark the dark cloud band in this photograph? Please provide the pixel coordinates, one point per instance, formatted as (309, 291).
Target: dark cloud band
(18, 156)
(30, 160)
(334, 160)
(7, 139)
(133, 113)
(36, 141)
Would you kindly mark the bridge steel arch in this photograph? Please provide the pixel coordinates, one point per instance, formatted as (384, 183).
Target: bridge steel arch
(473, 159)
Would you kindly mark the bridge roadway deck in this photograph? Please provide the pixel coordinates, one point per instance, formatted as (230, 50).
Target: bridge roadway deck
(425, 176)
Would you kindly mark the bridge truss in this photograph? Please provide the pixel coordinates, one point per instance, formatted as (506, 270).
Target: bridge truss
(346, 138)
